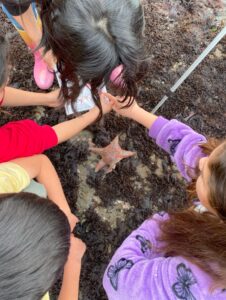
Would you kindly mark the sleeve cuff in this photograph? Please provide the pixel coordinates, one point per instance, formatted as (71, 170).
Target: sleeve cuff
(156, 127)
(51, 137)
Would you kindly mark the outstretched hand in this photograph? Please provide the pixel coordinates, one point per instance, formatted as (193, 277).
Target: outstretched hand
(54, 99)
(106, 103)
(77, 249)
(119, 107)
(73, 220)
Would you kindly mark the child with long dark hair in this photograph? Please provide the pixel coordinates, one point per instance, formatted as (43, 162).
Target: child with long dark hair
(94, 41)
(176, 255)
(90, 39)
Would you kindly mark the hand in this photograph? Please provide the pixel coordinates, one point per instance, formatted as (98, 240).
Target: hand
(77, 249)
(118, 106)
(53, 99)
(73, 220)
(106, 103)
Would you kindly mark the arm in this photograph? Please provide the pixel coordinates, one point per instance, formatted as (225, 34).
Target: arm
(25, 138)
(68, 129)
(40, 167)
(72, 269)
(16, 97)
(176, 138)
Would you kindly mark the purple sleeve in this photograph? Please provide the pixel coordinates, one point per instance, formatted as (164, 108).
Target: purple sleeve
(136, 271)
(180, 141)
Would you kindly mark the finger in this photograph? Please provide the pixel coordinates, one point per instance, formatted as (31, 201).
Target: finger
(110, 97)
(76, 219)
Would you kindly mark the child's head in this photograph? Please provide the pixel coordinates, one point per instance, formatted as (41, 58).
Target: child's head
(3, 61)
(211, 183)
(201, 236)
(91, 38)
(34, 245)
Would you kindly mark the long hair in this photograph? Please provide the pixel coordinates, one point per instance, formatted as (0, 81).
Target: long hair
(4, 60)
(34, 245)
(201, 237)
(90, 38)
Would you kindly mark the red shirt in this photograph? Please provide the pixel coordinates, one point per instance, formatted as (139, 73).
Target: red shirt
(25, 138)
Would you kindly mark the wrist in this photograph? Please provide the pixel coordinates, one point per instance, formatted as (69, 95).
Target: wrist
(136, 113)
(73, 262)
(94, 112)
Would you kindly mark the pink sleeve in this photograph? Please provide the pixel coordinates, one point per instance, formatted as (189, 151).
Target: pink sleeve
(25, 138)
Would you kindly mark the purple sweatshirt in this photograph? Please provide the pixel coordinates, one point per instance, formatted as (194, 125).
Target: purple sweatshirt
(136, 271)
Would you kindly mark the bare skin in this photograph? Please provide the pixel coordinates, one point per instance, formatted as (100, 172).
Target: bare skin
(68, 129)
(72, 269)
(16, 97)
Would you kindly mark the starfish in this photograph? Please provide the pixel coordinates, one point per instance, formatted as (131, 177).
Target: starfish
(111, 155)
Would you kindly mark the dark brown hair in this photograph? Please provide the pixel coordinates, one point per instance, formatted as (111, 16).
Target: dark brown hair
(90, 39)
(201, 237)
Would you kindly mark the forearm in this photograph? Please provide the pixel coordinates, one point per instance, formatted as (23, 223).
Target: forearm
(70, 285)
(40, 167)
(68, 129)
(143, 117)
(16, 97)
(48, 177)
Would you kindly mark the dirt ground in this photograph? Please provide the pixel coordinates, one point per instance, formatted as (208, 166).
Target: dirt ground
(111, 206)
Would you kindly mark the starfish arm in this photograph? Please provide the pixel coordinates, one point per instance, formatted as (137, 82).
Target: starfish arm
(109, 170)
(126, 154)
(96, 150)
(100, 165)
(115, 141)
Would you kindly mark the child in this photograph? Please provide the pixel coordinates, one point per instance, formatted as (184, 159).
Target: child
(35, 247)
(176, 255)
(90, 38)
(14, 97)
(15, 176)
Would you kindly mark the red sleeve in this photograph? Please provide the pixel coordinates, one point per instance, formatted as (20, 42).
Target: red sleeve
(25, 138)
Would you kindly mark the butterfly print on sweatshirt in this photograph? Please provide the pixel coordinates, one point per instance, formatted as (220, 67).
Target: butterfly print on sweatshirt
(145, 244)
(113, 271)
(185, 279)
(173, 145)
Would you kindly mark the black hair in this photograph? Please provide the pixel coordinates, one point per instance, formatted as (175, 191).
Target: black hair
(4, 60)
(34, 245)
(90, 38)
